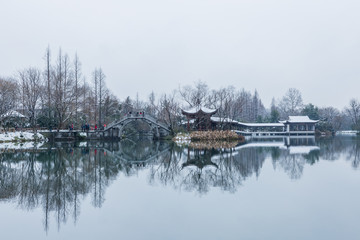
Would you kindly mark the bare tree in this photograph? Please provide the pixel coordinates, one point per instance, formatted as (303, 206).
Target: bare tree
(77, 77)
(127, 106)
(353, 112)
(31, 85)
(96, 83)
(48, 80)
(63, 92)
(87, 102)
(195, 96)
(242, 109)
(9, 94)
(100, 92)
(151, 108)
(332, 116)
(222, 100)
(170, 110)
(111, 108)
(291, 103)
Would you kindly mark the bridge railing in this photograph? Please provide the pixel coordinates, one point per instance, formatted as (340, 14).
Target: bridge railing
(155, 121)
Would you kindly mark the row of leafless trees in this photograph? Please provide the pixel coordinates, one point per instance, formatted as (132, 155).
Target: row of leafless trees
(242, 105)
(58, 95)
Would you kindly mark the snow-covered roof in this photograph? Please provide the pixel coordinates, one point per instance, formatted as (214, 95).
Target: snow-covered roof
(12, 136)
(299, 119)
(229, 120)
(12, 113)
(262, 124)
(223, 120)
(198, 109)
(292, 119)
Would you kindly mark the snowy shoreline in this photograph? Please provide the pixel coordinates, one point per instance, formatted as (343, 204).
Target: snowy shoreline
(20, 140)
(14, 137)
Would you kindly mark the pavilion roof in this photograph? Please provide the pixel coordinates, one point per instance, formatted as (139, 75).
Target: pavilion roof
(261, 124)
(223, 120)
(299, 119)
(229, 120)
(197, 110)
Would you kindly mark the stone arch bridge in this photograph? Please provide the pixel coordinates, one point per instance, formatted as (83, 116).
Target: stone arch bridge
(116, 128)
(113, 130)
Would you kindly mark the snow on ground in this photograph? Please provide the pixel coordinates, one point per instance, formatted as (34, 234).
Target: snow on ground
(82, 134)
(182, 138)
(21, 136)
(19, 145)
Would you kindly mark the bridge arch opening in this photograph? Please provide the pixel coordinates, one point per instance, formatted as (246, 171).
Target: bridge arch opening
(137, 128)
(135, 124)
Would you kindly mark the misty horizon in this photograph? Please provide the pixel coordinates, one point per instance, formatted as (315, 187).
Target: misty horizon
(270, 47)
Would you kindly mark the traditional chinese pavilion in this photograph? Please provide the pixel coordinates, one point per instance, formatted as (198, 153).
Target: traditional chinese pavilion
(200, 117)
(295, 125)
(300, 125)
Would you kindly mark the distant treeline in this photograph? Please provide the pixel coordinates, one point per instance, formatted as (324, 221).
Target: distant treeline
(58, 94)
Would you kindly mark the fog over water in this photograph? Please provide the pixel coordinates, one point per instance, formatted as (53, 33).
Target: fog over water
(312, 45)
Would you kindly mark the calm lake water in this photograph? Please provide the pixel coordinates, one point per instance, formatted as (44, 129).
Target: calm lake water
(298, 188)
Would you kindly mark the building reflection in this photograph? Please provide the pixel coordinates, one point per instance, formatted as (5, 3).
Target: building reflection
(57, 178)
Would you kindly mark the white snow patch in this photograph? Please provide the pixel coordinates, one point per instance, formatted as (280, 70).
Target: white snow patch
(203, 109)
(21, 136)
(12, 113)
(182, 138)
(18, 145)
(82, 134)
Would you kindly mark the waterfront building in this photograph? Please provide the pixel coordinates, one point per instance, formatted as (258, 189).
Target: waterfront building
(200, 117)
(295, 125)
(299, 125)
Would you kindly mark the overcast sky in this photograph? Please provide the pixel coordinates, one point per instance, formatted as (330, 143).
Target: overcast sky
(145, 45)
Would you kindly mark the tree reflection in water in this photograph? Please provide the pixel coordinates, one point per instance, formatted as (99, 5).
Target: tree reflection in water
(58, 178)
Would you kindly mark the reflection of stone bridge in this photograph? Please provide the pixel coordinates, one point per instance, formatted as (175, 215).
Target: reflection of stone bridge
(140, 152)
(116, 128)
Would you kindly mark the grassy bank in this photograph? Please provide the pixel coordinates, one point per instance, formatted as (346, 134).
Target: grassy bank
(215, 136)
(213, 144)
(209, 139)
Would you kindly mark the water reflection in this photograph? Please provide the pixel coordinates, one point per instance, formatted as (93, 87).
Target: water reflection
(57, 178)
